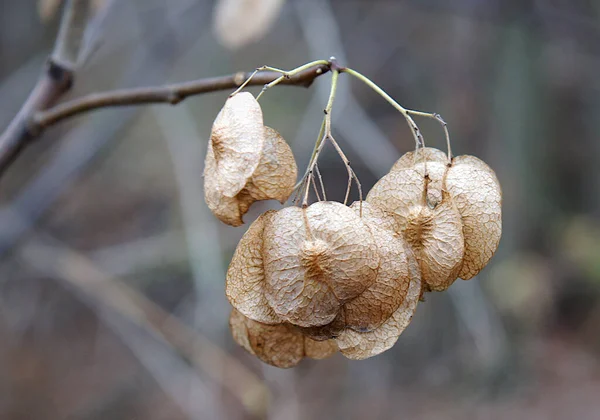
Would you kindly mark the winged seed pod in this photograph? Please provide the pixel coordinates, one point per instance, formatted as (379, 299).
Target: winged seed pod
(279, 345)
(276, 173)
(429, 154)
(237, 138)
(245, 161)
(435, 235)
(477, 194)
(358, 346)
(316, 259)
(380, 300)
(436, 166)
(245, 285)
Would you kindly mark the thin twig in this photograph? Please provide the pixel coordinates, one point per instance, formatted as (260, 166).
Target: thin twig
(54, 82)
(37, 116)
(318, 172)
(171, 94)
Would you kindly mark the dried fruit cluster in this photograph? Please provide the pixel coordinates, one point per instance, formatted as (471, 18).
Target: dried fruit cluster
(309, 281)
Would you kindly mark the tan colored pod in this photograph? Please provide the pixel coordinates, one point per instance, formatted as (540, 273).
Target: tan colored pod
(237, 140)
(435, 235)
(381, 299)
(275, 176)
(436, 166)
(477, 194)
(243, 163)
(316, 259)
(358, 346)
(227, 209)
(279, 345)
(245, 285)
(410, 159)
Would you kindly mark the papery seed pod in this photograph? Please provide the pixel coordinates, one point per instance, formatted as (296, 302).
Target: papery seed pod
(430, 154)
(239, 331)
(245, 285)
(276, 173)
(381, 299)
(279, 345)
(245, 161)
(316, 259)
(436, 167)
(237, 138)
(477, 194)
(358, 346)
(435, 235)
(327, 331)
(319, 349)
(228, 209)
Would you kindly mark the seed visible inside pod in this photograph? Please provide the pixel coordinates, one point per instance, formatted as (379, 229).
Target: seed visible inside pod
(477, 194)
(435, 235)
(279, 345)
(435, 167)
(316, 259)
(246, 284)
(358, 346)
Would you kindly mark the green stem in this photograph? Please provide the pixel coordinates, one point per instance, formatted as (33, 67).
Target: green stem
(334, 81)
(406, 112)
(288, 74)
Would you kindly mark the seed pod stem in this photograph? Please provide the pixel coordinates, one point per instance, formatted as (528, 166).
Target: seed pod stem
(288, 74)
(405, 112)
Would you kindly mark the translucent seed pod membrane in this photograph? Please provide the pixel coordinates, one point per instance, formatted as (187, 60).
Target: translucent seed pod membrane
(246, 161)
(314, 280)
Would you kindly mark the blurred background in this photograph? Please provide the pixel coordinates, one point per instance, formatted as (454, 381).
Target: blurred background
(112, 268)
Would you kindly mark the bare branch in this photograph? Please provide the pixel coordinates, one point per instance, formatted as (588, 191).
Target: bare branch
(171, 94)
(38, 116)
(55, 81)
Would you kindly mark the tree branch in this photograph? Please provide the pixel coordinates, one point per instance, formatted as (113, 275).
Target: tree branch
(55, 81)
(171, 94)
(37, 118)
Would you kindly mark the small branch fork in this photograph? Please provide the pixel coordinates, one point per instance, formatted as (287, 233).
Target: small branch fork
(40, 110)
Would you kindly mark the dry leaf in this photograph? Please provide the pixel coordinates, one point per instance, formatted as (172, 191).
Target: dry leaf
(316, 259)
(237, 137)
(279, 345)
(240, 22)
(376, 304)
(276, 173)
(435, 235)
(358, 346)
(245, 285)
(477, 194)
